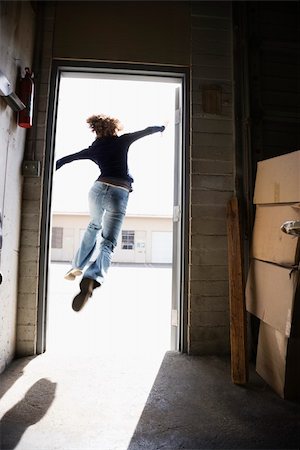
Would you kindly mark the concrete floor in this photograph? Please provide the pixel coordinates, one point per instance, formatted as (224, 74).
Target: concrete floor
(107, 381)
(139, 403)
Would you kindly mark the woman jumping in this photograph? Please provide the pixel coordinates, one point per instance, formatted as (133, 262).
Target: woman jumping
(108, 198)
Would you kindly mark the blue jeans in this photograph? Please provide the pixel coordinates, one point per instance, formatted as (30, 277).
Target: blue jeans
(107, 205)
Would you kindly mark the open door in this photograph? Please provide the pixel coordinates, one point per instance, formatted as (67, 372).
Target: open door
(177, 224)
(176, 88)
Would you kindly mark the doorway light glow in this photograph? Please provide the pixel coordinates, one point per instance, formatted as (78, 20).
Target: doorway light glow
(137, 104)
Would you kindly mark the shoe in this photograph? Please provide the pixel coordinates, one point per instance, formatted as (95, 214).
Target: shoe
(72, 274)
(87, 285)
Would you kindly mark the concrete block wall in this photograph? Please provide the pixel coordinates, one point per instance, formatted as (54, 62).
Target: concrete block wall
(211, 160)
(32, 192)
(17, 24)
(212, 178)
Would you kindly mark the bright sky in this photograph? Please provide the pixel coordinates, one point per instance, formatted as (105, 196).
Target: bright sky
(137, 104)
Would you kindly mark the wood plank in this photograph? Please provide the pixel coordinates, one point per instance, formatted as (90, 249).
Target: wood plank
(237, 309)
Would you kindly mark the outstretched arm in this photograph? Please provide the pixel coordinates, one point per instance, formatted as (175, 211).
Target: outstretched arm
(83, 154)
(139, 134)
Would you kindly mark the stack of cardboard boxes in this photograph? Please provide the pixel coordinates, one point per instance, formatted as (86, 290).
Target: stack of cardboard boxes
(273, 287)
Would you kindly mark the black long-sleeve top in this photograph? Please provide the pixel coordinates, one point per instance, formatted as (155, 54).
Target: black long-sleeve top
(111, 154)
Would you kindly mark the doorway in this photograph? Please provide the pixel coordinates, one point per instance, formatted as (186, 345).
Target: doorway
(140, 303)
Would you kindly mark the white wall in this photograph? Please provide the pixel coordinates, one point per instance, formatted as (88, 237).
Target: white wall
(16, 43)
(143, 227)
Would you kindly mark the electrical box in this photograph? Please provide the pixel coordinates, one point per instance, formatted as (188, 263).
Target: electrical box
(31, 168)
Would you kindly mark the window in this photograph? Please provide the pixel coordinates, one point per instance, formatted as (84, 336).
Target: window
(127, 240)
(57, 237)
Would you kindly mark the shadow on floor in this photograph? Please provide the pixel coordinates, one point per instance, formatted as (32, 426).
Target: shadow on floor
(194, 405)
(28, 411)
(15, 372)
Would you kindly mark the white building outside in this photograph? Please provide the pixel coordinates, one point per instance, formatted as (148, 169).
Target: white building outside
(144, 239)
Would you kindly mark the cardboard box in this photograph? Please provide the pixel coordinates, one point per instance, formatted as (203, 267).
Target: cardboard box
(278, 180)
(271, 294)
(278, 361)
(269, 243)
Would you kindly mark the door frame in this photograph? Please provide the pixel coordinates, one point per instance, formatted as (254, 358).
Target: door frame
(85, 67)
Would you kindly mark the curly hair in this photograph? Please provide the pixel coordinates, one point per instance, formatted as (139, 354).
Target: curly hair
(103, 125)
